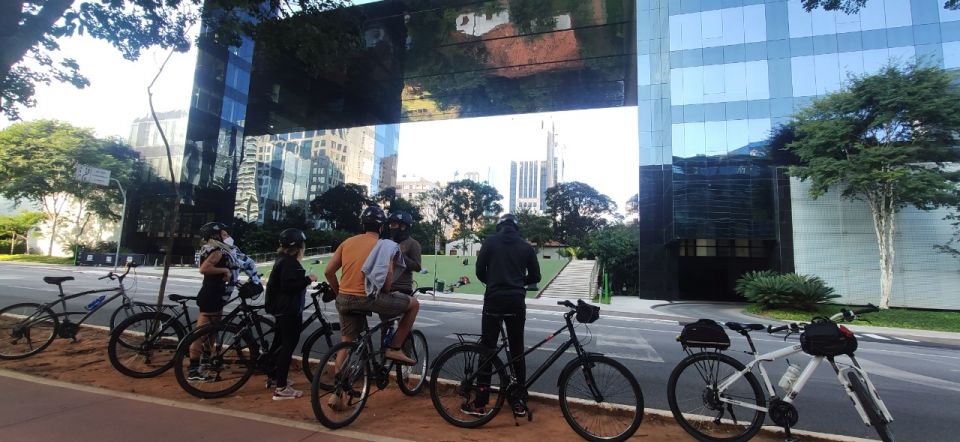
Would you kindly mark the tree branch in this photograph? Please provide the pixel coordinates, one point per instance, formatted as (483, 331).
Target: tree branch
(14, 47)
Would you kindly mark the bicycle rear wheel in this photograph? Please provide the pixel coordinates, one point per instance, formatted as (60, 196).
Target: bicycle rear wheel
(458, 395)
(226, 363)
(412, 378)
(26, 329)
(145, 344)
(338, 398)
(698, 406)
(600, 399)
(126, 310)
(877, 421)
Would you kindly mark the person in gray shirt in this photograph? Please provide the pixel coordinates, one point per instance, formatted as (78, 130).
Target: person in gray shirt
(400, 224)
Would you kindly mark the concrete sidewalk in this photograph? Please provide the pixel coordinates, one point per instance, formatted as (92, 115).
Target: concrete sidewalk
(37, 409)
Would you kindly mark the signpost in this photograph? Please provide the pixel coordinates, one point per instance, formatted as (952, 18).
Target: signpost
(101, 177)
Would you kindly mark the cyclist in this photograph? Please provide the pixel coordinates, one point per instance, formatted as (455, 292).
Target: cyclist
(400, 224)
(216, 253)
(507, 264)
(350, 256)
(286, 297)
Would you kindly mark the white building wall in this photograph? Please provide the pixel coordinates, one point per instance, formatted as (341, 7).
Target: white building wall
(834, 239)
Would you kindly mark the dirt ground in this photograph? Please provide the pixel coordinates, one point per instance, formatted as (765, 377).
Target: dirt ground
(388, 412)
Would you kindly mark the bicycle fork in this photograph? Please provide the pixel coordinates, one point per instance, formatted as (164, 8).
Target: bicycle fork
(871, 390)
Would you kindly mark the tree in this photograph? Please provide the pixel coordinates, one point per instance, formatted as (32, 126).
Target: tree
(341, 206)
(17, 226)
(468, 204)
(884, 140)
(535, 228)
(616, 248)
(38, 161)
(633, 205)
(577, 210)
(853, 6)
(30, 31)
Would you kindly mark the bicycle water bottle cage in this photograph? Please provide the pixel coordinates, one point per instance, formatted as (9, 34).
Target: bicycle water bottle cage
(704, 333)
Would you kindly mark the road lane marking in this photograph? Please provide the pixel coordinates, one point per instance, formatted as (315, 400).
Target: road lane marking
(904, 339)
(871, 335)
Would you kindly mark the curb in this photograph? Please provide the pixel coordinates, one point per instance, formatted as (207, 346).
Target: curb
(317, 428)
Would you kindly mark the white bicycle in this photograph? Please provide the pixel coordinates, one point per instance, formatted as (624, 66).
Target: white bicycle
(715, 397)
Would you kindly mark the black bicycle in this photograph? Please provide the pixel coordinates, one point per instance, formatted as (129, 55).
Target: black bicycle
(338, 398)
(143, 345)
(28, 328)
(599, 397)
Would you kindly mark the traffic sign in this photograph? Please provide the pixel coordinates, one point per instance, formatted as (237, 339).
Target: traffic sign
(92, 175)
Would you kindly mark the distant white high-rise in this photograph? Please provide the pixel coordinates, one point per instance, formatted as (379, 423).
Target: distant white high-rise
(529, 180)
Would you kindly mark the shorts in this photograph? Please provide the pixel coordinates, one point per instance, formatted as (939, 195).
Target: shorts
(351, 325)
(210, 301)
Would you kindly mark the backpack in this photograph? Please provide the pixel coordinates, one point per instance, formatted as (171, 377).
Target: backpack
(823, 337)
(705, 333)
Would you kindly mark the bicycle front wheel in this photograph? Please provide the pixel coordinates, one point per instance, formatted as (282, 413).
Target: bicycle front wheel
(412, 378)
(877, 421)
(26, 329)
(314, 349)
(124, 311)
(338, 397)
(226, 361)
(703, 411)
(462, 382)
(145, 344)
(600, 399)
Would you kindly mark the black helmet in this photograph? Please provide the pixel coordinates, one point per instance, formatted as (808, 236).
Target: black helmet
(402, 218)
(212, 230)
(508, 219)
(292, 237)
(373, 215)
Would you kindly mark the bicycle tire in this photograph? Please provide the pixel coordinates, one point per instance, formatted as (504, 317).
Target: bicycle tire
(442, 387)
(412, 378)
(123, 312)
(355, 369)
(616, 401)
(702, 392)
(877, 421)
(148, 337)
(314, 348)
(15, 325)
(234, 359)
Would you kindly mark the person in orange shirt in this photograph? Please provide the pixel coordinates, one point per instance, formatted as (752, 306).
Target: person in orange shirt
(351, 292)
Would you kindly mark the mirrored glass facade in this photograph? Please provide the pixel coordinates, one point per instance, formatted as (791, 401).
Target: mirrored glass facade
(714, 78)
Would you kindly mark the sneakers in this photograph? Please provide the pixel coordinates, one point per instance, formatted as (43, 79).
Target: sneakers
(472, 409)
(272, 383)
(519, 409)
(282, 394)
(398, 355)
(195, 375)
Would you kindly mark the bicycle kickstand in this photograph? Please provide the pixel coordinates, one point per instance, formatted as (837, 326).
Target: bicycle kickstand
(789, 437)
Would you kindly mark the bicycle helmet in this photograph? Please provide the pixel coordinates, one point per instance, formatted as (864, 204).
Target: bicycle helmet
(373, 215)
(212, 230)
(292, 237)
(401, 218)
(508, 219)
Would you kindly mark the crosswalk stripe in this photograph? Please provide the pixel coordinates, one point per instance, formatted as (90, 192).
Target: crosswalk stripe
(871, 335)
(904, 339)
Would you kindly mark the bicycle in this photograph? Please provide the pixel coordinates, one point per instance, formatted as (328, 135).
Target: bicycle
(596, 392)
(231, 351)
(29, 328)
(718, 383)
(143, 345)
(365, 363)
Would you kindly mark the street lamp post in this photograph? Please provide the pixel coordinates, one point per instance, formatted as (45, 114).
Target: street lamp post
(123, 214)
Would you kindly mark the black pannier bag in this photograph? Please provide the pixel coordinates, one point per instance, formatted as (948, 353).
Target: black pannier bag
(705, 333)
(823, 337)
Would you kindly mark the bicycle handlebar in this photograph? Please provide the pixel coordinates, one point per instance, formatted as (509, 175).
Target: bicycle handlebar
(108, 275)
(847, 315)
(566, 303)
(870, 309)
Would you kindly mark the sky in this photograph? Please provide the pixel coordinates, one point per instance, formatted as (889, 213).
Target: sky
(598, 147)
(600, 144)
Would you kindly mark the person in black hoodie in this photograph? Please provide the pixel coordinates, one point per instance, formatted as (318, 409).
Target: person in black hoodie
(506, 264)
(286, 295)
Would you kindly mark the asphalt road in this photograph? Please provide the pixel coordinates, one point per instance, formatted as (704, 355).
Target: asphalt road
(919, 381)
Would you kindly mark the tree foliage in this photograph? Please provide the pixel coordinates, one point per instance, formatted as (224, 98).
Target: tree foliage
(577, 209)
(38, 160)
(885, 140)
(537, 229)
(341, 206)
(30, 32)
(853, 6)
(467, 204)
(616, 247)
(15, 227)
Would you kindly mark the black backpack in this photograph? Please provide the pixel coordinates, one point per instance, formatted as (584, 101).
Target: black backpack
(823, 337)
(705, 333)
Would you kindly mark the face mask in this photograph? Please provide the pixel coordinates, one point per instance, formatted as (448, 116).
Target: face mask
(228, 241)
(399, 235)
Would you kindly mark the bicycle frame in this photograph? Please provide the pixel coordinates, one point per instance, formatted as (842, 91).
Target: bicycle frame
(120, 291)
(805, 375)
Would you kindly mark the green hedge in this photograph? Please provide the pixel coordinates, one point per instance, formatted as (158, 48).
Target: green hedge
(769, 289)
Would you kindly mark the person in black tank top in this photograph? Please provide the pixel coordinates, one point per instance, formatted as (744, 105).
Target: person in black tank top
(216, 271)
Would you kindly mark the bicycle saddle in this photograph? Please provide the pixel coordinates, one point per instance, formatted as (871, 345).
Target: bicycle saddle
(739, 326)
(56, 279)
(180, 298)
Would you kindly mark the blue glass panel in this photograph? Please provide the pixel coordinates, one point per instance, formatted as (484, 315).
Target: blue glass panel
(755, 51)
(693, 113)
(736, 110)
(924, 34)
(925, 11)
(712, 55)
(778, 49)
(824, 44)
(801, 46)
(733, 54)
(780, 73)
(781, 107)
(950, 31)
(714, 112)
(776, 20)
(902, 36)
(876, 39)
(758, 109)
(951, 55)
(851, 41)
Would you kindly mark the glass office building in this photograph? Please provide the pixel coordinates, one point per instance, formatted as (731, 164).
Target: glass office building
(714, 77)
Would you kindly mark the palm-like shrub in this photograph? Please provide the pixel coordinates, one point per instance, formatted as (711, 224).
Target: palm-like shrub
(771, 290)
(809, 290)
